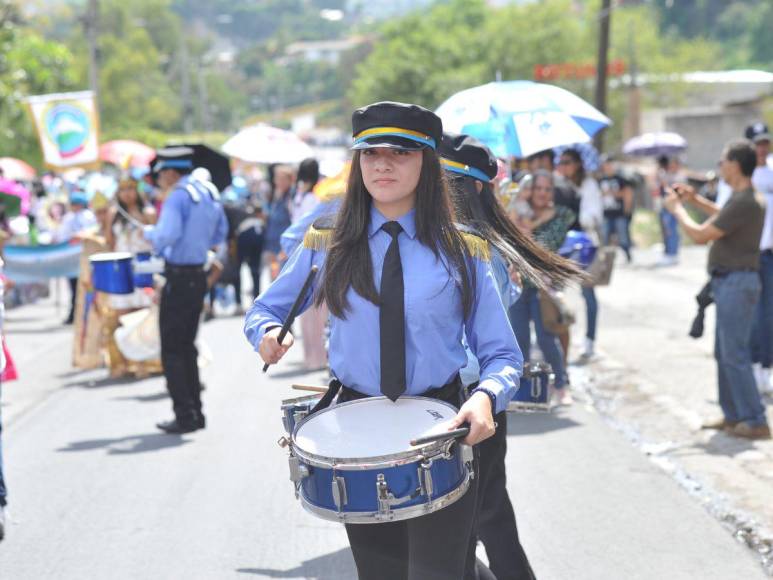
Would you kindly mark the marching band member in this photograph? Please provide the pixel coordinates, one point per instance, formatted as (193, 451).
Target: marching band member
(192, 221)
(403, 285)
(470, 167)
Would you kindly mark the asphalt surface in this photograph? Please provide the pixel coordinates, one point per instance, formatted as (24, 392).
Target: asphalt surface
(96, 491)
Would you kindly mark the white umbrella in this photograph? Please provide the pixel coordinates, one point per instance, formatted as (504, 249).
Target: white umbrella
(266, 144)
(654, 144)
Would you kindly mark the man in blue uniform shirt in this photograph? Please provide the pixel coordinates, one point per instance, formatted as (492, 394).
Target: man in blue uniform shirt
(192, 221)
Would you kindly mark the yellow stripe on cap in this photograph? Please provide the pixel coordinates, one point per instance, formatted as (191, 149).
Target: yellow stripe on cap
(457, 167)
(395, 132)
(456, 164)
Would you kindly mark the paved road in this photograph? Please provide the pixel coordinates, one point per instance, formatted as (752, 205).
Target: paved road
(97, 492)
(659, 385)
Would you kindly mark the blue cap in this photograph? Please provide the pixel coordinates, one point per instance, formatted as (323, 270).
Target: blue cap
(174, 158)
(79, 197)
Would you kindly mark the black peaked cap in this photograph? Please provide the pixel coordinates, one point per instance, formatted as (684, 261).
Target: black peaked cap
(468, 151)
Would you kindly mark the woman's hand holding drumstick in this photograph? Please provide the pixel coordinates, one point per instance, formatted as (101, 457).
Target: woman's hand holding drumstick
(270, 350)
(478, 413)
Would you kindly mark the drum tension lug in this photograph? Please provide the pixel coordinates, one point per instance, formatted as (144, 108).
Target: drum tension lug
(425, 480)
(339, 492)
(283, 442)
(467, 457)
(386, 499)
(298, 470)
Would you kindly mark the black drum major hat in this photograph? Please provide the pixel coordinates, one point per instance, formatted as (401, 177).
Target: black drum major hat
(397, 126)
(465, 155)
(173, 158)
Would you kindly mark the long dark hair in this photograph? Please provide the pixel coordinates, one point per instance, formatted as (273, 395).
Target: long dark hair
(579, 175)
(483, 212)
(142, 203)
(348, 262)
(308, 171)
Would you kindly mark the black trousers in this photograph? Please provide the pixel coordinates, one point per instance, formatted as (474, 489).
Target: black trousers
(430, 547)
(73, 297)
(181, 304)
(496, 526)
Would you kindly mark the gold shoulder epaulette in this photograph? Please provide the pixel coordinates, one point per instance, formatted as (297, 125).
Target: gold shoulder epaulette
(319, 234)
(478, 246)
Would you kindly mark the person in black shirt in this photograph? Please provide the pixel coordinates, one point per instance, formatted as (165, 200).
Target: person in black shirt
(618, 205)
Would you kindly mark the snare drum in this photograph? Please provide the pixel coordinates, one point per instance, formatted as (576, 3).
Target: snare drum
(295, 410)
(353, 462)
(534, 392)
(111, 272)
(144, 268)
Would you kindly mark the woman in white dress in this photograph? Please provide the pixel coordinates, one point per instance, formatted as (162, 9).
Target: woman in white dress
(125, 235)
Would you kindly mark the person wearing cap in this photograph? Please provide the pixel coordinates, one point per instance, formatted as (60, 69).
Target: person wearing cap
(78, 219)
(192, 221)
(402, 285)
(762, 329)
(470, 167)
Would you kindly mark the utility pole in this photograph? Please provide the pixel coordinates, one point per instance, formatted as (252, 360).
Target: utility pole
(601, 65)
(185, 82)
(631, 127)
(91, 23)
(206, 119)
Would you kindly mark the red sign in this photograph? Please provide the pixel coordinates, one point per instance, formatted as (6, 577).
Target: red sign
(573, 70)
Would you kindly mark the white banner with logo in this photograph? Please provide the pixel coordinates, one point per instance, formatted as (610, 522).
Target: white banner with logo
(68, 128)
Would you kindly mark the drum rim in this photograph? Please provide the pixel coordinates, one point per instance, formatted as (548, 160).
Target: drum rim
(111, 256)
(287, 403)
(398, 513)
(377, 461)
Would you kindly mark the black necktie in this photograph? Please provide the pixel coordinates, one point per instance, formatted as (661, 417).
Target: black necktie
(392, 318)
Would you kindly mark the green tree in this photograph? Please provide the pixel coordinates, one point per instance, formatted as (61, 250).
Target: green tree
(29, 65)
(423, 58)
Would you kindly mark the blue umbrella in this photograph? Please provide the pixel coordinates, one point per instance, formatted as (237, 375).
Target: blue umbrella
(520, 118)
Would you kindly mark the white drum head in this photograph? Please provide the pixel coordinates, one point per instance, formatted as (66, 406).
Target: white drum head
(110, 256)
(372, 427)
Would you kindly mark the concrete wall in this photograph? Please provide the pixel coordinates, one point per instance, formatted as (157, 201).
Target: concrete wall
(706, 129)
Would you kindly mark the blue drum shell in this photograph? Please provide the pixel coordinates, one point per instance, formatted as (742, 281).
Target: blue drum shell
(402, 480)
(112, 273)
(143, 280)
(524, 393)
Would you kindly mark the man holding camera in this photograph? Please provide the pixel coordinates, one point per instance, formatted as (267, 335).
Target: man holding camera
(734, 258)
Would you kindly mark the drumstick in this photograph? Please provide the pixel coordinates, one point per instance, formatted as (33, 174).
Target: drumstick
(453, 434)
(312, 388)
(294, 309)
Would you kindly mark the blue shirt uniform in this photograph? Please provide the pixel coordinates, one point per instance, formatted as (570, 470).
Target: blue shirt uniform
(509, 294)
(293, 236)
(192, 221)
(434, 322)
